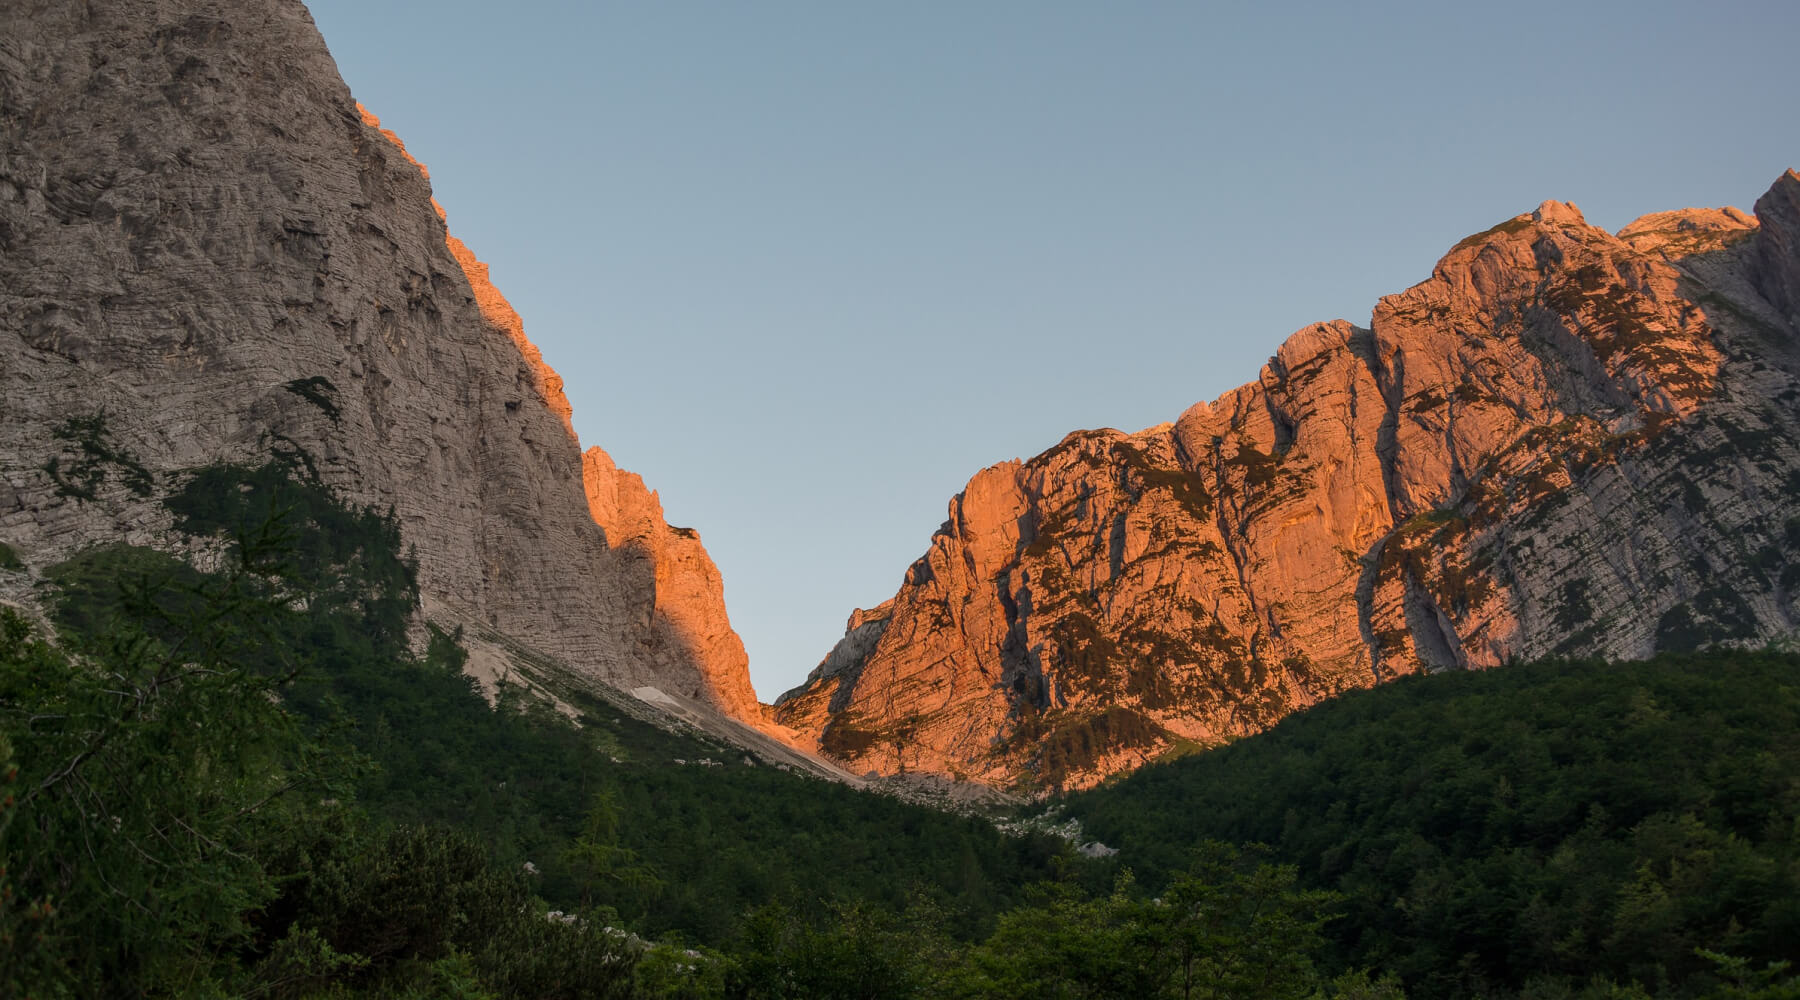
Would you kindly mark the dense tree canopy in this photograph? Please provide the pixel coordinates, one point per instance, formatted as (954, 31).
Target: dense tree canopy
(1536, 824)
(232, 773)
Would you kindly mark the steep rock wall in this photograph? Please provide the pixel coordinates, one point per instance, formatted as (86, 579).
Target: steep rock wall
(1562, 442)
(204, 237)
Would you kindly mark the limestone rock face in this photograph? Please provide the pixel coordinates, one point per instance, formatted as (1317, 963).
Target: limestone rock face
(670, 564)
(205, 238)
(1775, 271)
(1563, 442)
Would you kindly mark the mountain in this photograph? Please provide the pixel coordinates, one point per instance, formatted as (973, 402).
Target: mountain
(209, 250)
(1564, 442)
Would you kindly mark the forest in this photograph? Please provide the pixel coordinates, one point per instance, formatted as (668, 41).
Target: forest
(239, 767)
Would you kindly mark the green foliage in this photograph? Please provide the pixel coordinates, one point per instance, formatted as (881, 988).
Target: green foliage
(153, 758)
(1738, 979)
(302, 964)
(402, 893)
(672, 972)
(359, 820)
(234, 777)
(9, 559)
(1232, 925)
(1539, 825)
(1227, 926)
(609, 819)
(723, 840)
(177, 829)
(1065, 944)
(291, 656)
(346, 559)
(856, 953)
(118, 587)
(422, 909)
(597, 858)
(1230, 930)
(553, 959)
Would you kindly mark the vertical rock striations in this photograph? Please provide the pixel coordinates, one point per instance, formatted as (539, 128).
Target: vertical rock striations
(204, 238)
(1563, 442)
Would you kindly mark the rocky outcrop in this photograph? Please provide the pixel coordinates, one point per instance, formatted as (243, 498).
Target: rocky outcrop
(670, 564)
(1563, 442)
(205, 239)
(1775, 270)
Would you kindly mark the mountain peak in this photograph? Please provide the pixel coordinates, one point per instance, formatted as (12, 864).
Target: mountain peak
(1559, 213)
(1524, 455)
(1776, 271)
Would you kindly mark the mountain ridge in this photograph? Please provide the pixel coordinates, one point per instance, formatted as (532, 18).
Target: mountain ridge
(1485, 472)
(207, 240)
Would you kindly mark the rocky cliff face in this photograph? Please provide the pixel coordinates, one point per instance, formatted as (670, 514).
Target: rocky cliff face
(205, 239)
(1565, 441)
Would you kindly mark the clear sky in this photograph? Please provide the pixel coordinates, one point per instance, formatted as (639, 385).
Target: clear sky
(808, 267)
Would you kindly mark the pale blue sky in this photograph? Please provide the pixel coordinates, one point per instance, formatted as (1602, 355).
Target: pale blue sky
(809, 266)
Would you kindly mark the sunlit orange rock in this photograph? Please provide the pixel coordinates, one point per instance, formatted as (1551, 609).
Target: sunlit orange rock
(687, 595)
(1562, 442)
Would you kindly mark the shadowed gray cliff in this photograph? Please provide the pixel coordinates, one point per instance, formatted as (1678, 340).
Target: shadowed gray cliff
(204, 237)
